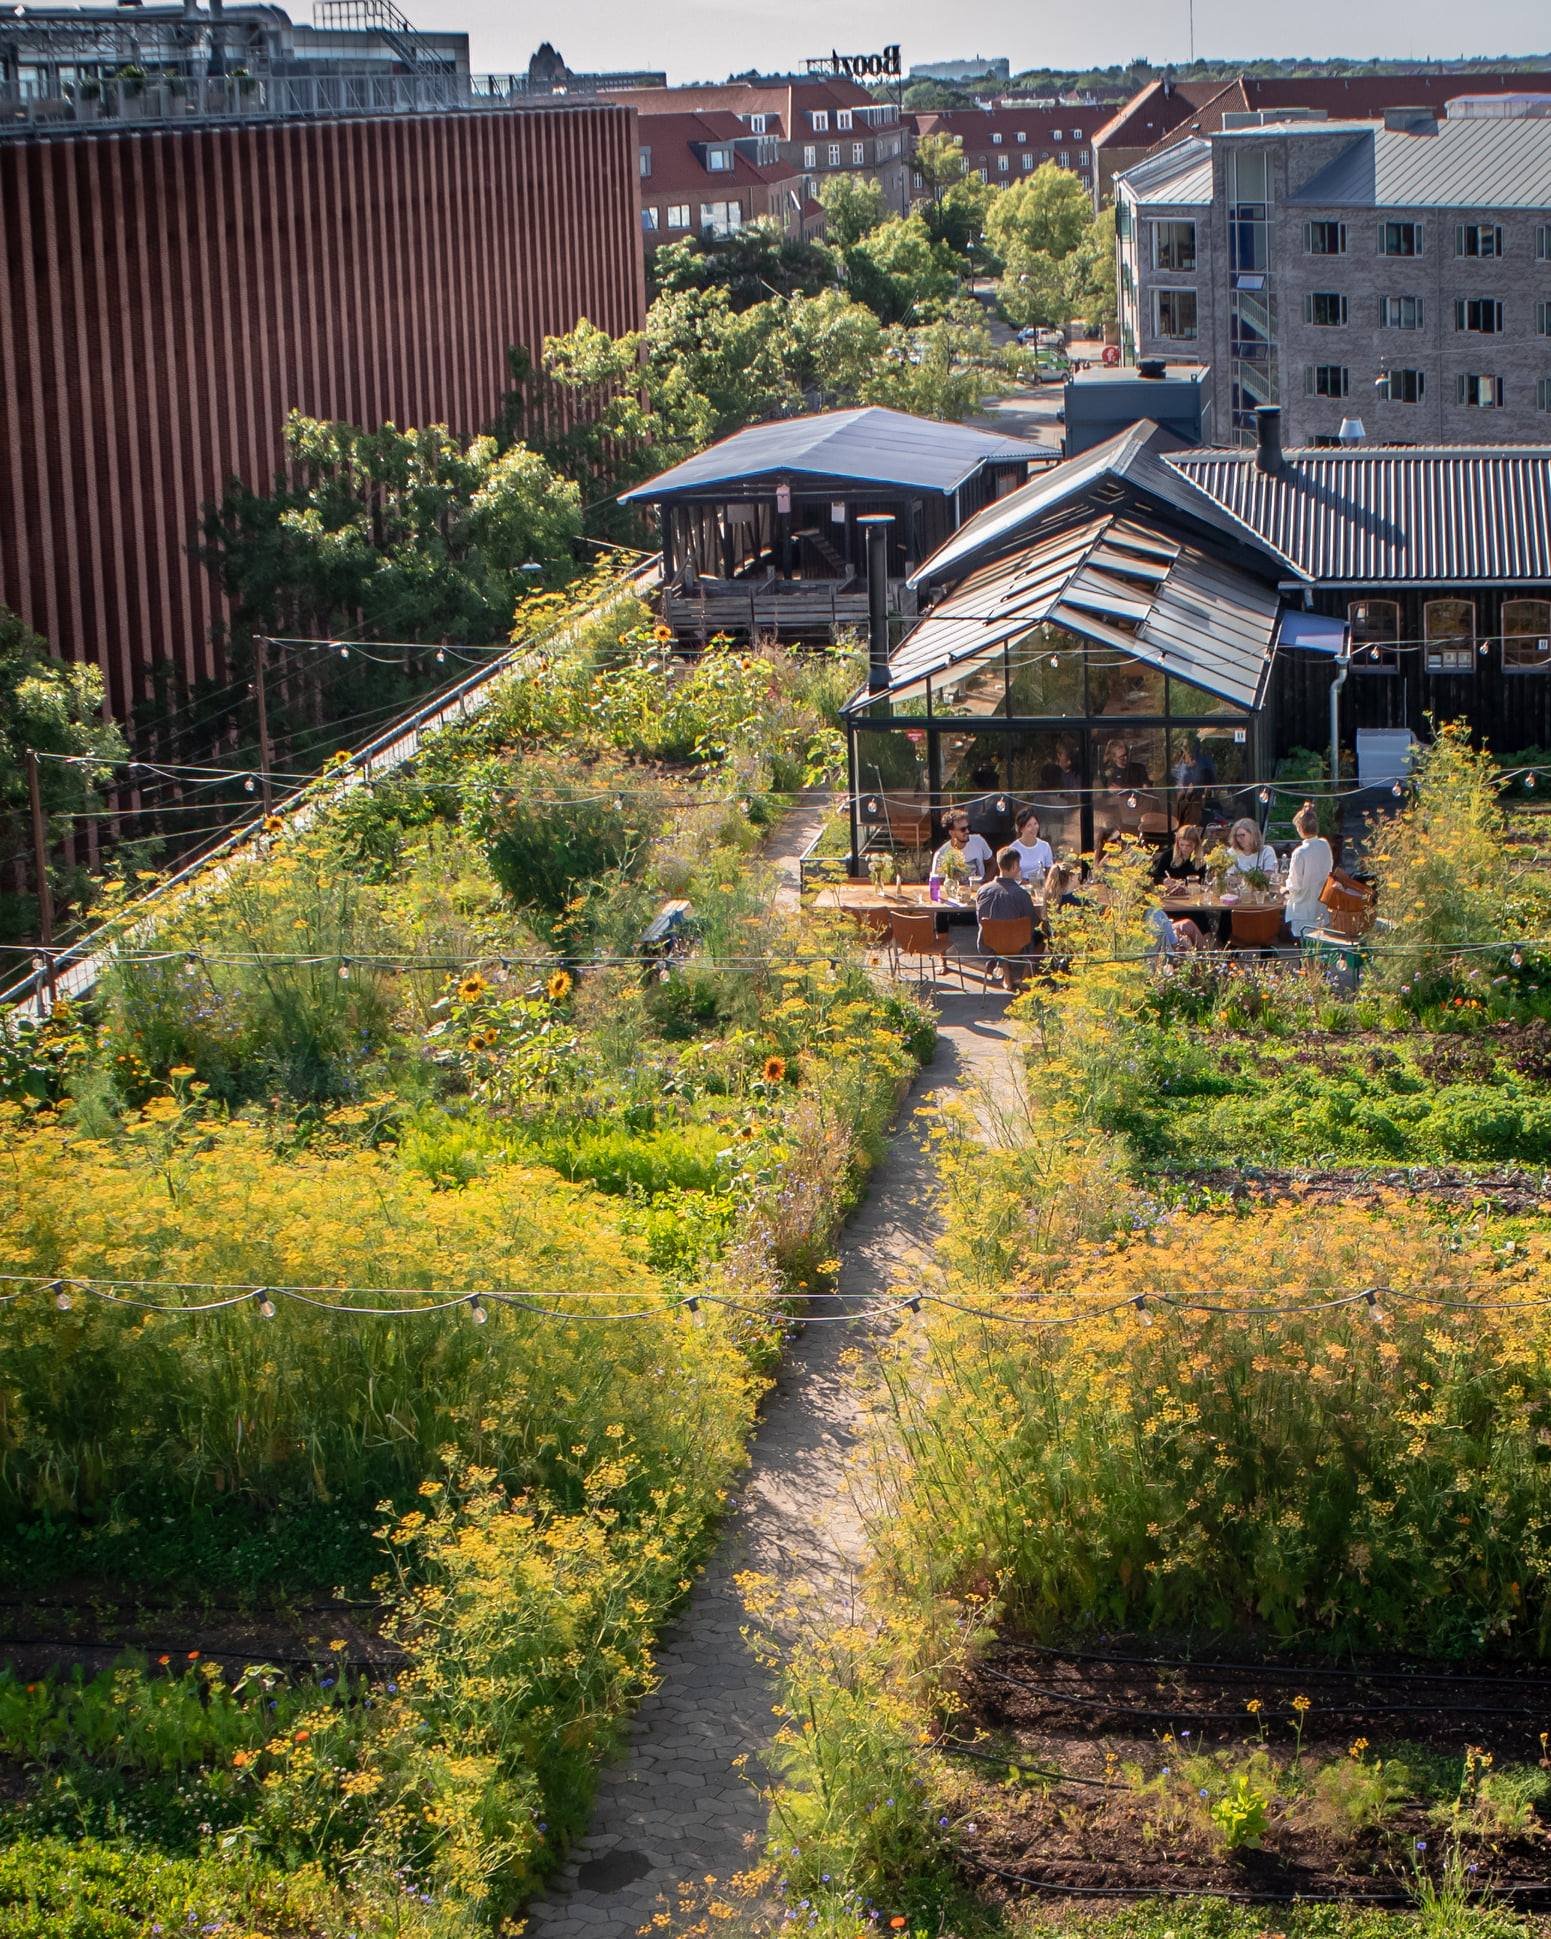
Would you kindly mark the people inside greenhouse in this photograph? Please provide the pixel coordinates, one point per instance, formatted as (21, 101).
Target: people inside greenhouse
(1183, 860)
(1120, 769)
(1034, 853)
(1062, 772)
(970, 854)
(1248, 850)
(1308, 870)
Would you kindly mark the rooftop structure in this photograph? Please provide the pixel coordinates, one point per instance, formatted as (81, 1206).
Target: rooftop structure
(706, 173)
(1006, 143)
(978, 67)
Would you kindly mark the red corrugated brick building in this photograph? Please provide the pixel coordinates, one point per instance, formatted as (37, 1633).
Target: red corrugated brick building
(170, 294)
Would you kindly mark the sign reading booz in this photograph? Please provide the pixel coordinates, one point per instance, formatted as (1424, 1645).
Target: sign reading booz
(862, 67)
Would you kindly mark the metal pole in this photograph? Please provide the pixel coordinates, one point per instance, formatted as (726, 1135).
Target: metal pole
(40, 863)
(877, 524)
(260, 694)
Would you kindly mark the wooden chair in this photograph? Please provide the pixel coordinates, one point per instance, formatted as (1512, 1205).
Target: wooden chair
(1254, 928)
(1348, 905)
(1009, 941)
(914, 932)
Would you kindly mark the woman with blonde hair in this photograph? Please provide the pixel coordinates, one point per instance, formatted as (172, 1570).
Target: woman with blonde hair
(1308, 870)
(1248, 849)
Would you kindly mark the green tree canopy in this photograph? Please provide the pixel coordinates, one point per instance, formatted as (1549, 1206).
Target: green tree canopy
(751, 264)
(390, 534)
(899, 272)
(853, 207)
(1046, 213)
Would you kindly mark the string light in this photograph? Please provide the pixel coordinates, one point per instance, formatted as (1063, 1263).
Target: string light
(1376, 1312)
(1398, 790)
(266, 1306)
(61, 1294)
(249, 785)
(1142, 1312)
(344, 971)
(477, 1312)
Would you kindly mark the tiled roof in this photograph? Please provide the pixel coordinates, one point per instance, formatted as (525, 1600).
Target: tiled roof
(675, 165)
(1476, 162)
(1372, 515)
(1150, 114)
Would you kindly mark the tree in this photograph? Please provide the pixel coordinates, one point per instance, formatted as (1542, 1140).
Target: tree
(834, 347)
(957, 219)
(751, 264)
(853, 207)
(1047, 213)
(898, 269)
(52, 708)
(1090, 270)
(940, 371)
(390, 535)
(1033, 289)
(939, 161)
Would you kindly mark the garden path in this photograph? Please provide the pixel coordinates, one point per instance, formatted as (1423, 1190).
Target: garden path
(675, 1807)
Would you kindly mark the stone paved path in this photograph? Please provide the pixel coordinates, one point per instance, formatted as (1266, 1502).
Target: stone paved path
(675, 1808)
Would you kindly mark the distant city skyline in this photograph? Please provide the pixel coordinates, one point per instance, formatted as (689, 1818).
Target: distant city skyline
(698, 41)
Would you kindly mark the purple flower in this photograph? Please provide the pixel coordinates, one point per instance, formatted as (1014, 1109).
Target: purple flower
(1421, 1844)
(1203, 1792)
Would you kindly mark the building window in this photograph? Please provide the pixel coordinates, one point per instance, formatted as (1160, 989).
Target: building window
(1326, 380)
(996, 140)
(1526, 634)
(810, 156)
(1543, 242)
(1481, 314)
(1077, 134)
(1002, 164)
(718, 160)
(1543, 394)
(1026, 161)
(1055, 134)
(721, 218)
(834, 154)
(648, 219)
(917, 179)
(1483, 392)
(843, 118)
(1400, 313)
(1543, 319)
(644, 161)
(1325, 238)
(1065, 158)
(1400, 238)
(1174, 314)
(820, 120)
(1478, 239)
(1022, 136)
(1324, 307)
(1449, 629)
(757, 123)
(1375, 627)
(678, 215)
(1402, 386)
(858, 154)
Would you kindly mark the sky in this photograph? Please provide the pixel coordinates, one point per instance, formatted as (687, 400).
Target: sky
(702, 40)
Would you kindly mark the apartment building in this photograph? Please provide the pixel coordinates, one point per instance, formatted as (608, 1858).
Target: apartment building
(818, 127)
(1392, 276)
(706, 174)
(1167, 111)
(1003, 144)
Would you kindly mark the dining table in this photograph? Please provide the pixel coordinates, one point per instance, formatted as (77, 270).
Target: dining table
(858, 895)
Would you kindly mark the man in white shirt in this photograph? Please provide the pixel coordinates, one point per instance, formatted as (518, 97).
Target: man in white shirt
(973, 851)
(1308, 870)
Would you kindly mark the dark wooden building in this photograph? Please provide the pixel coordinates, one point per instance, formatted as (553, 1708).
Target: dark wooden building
(1138, 635)
(760, 533)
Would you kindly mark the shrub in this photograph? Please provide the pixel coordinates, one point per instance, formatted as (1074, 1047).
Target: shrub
(550, 826)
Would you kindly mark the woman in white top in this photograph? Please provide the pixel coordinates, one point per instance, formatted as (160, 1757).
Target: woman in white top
(1248, 849)
(1308, 870)
(1035, 855)
(974, 851)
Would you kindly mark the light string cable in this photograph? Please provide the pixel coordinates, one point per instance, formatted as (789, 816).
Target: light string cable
(64, 1288)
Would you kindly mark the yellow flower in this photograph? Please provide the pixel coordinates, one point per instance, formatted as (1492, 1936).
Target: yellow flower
(472, 988)
(272, 824)
(558, 987)
(1300, 1704)
(181, 1070)
(161, 1109)
(662, 634)
(775, 1070)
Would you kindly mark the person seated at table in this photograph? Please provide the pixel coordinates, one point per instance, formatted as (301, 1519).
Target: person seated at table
(1118, 769)
(1248, 849)
(1004, 899)
(1062, 881)
(1172, 934)
(973, 851)
(1308, 870)
(1182, 861)
(1034, 853)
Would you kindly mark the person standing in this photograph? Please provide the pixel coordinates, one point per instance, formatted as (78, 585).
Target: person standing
(1308, 870)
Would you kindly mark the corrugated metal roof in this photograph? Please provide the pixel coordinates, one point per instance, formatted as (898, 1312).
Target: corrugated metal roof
(1117, 584)
(871, 445)
(1367, 516)
(1137, 456)
(1182, 173)
(1470, 163)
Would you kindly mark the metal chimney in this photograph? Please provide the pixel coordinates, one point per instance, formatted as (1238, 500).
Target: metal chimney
(1268, 438)
(877, 524)
(1351, 431)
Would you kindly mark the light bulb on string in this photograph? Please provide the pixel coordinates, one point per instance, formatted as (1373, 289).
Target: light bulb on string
(1142, 1312)
(1055, 659)
(344, 651)
(913, 1304)
(344, 971)
(1376, 1312)
(619, 804)
(692, 1305)
(1265, 796)
(441, 656)
(1484, 648)
(477, 1310)
(1517, 959)
(265, 1305)
(1529, 780)
(872, 804)
(1130, 800)
(1001, 804)
(249, 785)
(61, 1291)
(1398, 790)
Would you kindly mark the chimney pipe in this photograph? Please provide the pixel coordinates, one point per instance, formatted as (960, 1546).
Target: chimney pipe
(1268, 438)
(877, 525)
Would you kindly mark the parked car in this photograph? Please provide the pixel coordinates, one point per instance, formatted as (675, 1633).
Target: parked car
(1030, 335)
(1051, 339)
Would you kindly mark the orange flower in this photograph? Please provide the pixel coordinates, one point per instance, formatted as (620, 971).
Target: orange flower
(302, 1736)
(164, 1661)
(897, 1923)
(241, 1759)
(775, 1070)
(193, 1656)
(558, 987)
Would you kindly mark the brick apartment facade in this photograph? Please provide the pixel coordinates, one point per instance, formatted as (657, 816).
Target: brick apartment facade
(706, 173)
(171, 294)
(819, 128)
(1398, 275)
(1003, 144)
(1167, 111)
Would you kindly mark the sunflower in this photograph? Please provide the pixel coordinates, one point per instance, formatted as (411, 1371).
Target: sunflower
(272, 824)
(746, 1134)
(662, 634)
(472, 988)
(558, 986)
(775, 1070)
(477, 1042)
